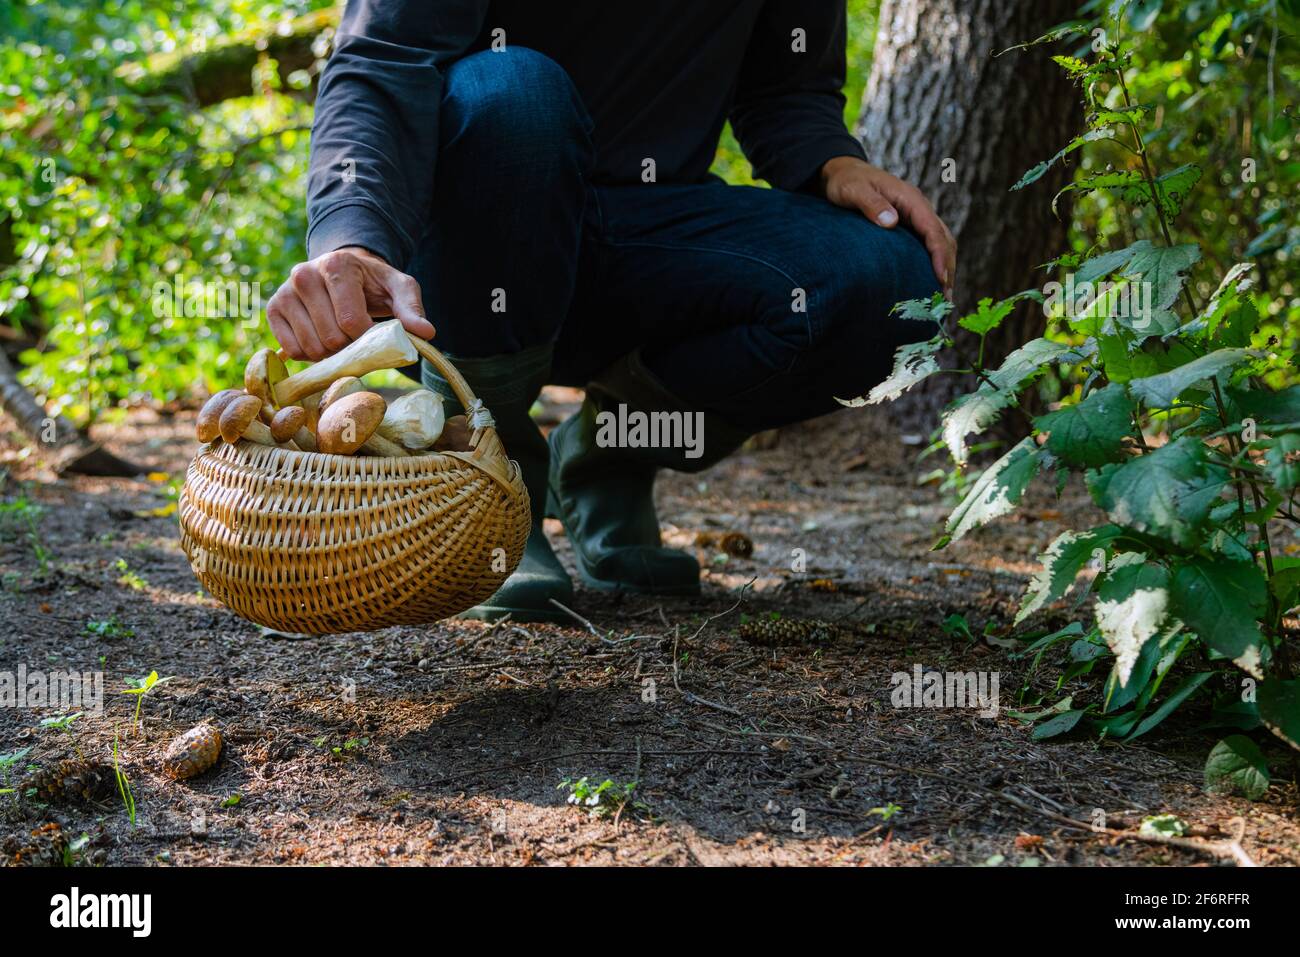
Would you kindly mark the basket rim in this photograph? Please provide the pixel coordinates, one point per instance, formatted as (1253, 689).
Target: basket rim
(383, 466)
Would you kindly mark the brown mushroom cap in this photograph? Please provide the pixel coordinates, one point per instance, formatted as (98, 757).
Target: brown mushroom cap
(348, 385)
(263, 371)
(346, 425)
(239, 413)
(287, 422)
(208, 424)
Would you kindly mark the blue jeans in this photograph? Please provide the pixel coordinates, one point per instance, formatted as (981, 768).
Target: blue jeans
(758, 305)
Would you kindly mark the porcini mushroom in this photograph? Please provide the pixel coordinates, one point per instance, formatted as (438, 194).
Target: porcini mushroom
(288, 422)
(262, 374)
(346, 425)
(208, 424)
(385, 345)
(348, 385)
(240, 421)
(414, 420)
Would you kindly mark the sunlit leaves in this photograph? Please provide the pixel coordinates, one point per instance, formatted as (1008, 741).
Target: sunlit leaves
(998, 489)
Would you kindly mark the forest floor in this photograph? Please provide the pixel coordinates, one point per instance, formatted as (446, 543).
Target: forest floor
(450, 744)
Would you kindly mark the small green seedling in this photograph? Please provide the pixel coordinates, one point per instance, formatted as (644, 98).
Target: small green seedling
(886, 812)
(21, 518)
(142, 687)
(123, 785)
(109, 628)
(351, 744)
(7, 761)
(64, 723)
(129, 578)
(601, 800)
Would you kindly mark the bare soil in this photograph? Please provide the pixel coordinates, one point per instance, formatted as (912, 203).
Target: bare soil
(449, 744)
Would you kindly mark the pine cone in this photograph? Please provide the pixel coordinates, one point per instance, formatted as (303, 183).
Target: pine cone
(88, 782)
(780, 632)
(193, 752)
(736, 544)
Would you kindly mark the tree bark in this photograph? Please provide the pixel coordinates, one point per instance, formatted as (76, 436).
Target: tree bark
(69, 450)
(941, 110)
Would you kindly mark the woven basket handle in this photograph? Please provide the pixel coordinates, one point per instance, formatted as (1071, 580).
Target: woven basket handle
(489, 454)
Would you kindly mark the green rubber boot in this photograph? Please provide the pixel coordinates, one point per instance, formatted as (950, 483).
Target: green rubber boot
(603, 472)
(508, 386)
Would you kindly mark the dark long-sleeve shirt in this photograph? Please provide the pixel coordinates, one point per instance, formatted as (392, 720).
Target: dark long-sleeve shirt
(659, 78)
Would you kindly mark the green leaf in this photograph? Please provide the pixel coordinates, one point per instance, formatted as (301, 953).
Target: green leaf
(998, 490)
(1107, 262)
(1120, 364)
(1064, 559)
(1279, 709)
(1132, 607)
(913, 363)
(1264, 405)
(1227, 297)
(933, 309)
(1282, 460)
(1236, 766)
(972, 413)
(1121, 179)
(1172, 188)
(1142, 14)
(1089, 433)
(1162, 825)
(1036, 173)
(987, 316)
(1162, 391)
(1167, 707)
(976, 411)
(1222, 601)
(1167, 493)
(1061, 724)
(1164, 268)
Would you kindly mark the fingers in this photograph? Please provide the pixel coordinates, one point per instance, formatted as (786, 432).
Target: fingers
(304, 330)
(874, 205)
(341, 273)
(280, 327)
(321, 336)
(939, 242)
(407, 303)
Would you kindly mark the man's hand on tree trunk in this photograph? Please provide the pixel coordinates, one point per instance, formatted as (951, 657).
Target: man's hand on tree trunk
(334, 298)
(855, 184)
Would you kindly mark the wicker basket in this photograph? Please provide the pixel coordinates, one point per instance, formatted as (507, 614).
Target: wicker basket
(315, 543)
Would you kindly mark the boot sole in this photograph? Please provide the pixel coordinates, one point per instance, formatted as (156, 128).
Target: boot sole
(521, 615)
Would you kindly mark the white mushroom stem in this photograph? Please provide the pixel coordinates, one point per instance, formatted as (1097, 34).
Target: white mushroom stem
(414, 420)
(378, 445)
(384, 345)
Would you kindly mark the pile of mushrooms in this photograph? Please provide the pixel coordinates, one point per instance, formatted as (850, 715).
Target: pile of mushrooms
(327, 408)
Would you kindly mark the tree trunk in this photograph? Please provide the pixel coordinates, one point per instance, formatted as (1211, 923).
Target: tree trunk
(943, 112)
(69, 450)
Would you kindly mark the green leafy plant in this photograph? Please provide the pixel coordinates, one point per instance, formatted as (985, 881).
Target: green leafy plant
(1168, 418)
(141, 687)
(21, 518)
(7, 761)
(606, 799)
(64, 723)
(129, 578)
(109, 628)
